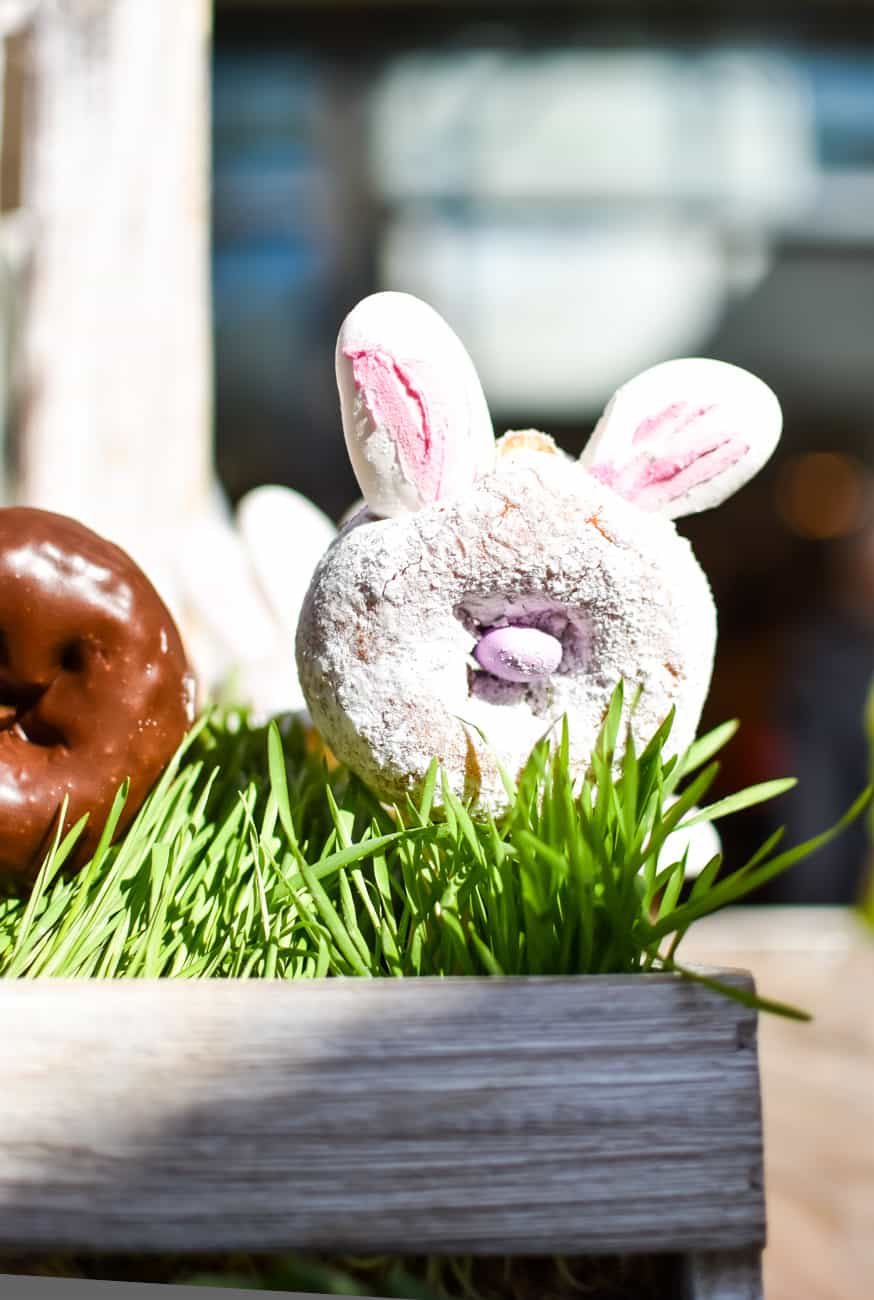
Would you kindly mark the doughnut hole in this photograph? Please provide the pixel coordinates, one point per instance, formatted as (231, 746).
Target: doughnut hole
(19, 701)
(481, 613)
(36, 731)
(19, 713)
(72, 656)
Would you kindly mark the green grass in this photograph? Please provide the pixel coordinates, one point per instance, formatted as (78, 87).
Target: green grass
(253, 858)
(461, 1278)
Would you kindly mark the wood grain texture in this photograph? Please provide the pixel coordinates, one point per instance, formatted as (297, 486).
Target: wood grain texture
(116, 401)
(608, 1114)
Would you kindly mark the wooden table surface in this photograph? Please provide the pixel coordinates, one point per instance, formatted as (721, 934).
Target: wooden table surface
(818, 1091)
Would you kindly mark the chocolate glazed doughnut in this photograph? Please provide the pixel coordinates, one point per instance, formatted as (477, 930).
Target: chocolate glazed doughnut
(94, 683)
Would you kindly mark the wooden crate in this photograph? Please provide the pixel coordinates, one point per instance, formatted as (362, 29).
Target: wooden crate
(592, 1115)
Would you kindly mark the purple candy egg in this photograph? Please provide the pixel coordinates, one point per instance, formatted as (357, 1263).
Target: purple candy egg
(518, 654)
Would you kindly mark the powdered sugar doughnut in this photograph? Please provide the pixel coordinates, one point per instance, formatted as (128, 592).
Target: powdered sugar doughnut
(397, 606)
(529, 592)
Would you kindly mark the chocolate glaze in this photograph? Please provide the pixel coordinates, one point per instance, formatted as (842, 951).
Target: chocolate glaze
(94, 682)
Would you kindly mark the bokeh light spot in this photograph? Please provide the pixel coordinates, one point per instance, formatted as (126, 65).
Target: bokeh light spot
(824, 495)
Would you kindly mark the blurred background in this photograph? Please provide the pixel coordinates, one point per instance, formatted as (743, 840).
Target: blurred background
(584, 190)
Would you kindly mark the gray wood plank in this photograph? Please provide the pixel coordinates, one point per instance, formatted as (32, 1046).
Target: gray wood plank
(608, 1114)
(723, 1275)
(46, 1288)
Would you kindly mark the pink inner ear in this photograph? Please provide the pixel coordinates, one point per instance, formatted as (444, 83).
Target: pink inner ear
(676, 456)
(393, 394)
(677, 415)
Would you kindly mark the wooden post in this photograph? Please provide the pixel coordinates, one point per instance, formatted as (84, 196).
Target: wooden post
(115, 414)
(14, 235)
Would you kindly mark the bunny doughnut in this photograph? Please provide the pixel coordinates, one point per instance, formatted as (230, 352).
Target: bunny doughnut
(513, 585)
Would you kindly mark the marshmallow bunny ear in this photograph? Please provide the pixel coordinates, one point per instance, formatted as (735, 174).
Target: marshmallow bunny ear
(414, 414)
(285, 536)
(684, 435)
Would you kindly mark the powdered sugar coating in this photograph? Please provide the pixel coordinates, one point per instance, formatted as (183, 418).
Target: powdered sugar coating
(396, 606)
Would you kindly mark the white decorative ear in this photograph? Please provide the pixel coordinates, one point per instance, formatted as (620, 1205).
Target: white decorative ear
(684, 435)
(414, 414)
(285, 536)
